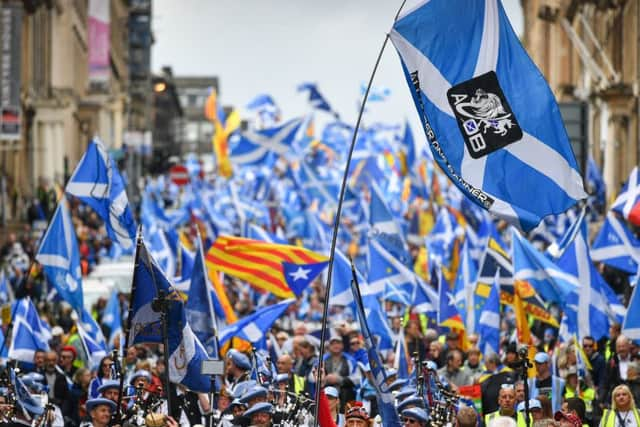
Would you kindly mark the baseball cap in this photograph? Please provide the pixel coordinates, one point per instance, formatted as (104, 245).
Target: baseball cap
(541, 357)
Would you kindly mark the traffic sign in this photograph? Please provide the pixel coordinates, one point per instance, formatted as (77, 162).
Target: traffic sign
(179, 175)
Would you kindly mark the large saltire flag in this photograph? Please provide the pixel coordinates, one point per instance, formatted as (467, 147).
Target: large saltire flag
(253, 328)
(492, 122)
(253, 148)
(60, 258)
(97, 182)
(616, 245)
(283, 270)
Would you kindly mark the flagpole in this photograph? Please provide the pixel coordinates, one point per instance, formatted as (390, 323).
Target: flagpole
(116, 419)
(336, 223)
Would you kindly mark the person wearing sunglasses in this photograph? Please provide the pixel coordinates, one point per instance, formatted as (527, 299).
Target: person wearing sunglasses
(596, 359)
(414, 417)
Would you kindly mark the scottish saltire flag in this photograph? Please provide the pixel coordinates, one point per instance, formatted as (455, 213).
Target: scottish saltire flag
(29, 332)
(255, 147)
(97, 182)
(629, 195)
(425, 300)
(199, 306)
(556, 249)
(530, 266)
(631, 322)
(266, 108)
(316, 100)
(92, 339)
(595, 181)
(60, 258)
(148, 281)
(492, 122)
(440, 241)
(489, 322)
(448, 314)
(31, 406)
(400, 362)
(112, 318)
(186, 259)
(316, 187)
(586, 307)
(253, 328)
(616, 245)
(341, 294)
(384, 227)
(384, 397)
(160, 250)
(385, 268)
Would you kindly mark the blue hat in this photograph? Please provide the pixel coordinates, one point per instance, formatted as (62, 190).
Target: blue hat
(242, 387)
(331, 391)
(239, 359)
(418, 414)
(405, 392)
(413, 400)
(107, 384)
(391, 372)
(281, 378)
(140, 373)
(258, 408)
(541, 357)
(398, 384)
(92, 403)
(252, 393)
(236, 402)
(533, 404)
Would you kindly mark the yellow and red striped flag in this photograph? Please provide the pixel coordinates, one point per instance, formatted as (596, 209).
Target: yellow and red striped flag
(283, 270)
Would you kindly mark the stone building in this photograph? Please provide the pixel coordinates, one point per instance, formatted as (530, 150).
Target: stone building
(589, 51)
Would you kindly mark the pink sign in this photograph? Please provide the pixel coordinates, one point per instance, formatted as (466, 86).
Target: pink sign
(99, 41)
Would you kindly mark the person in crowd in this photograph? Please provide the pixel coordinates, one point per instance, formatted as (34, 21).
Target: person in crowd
(68, 355)
(576, 406)
(519, 386)
(506, 404)
(501, 421)
(414, 417)
(105, 372)
(492, 379)
(340, 370)
(541, 384)
(597, 371)
(623, 411)
(260, 414)
(100, 410)
(466, 417)
(356, 416)
(333, 397)
(306, 359)
(80, 393)
(237, 368)
(435, 353)
(567, 419)
(58, 388)
(617, 367)
(453, 372)
(472, 366)
(535, 413)
(576, 387)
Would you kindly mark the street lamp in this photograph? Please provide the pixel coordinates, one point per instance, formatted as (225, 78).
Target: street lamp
(159, 87)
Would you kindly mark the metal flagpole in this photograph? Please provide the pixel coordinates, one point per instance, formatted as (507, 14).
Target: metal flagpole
(336, 223)
(116, 419)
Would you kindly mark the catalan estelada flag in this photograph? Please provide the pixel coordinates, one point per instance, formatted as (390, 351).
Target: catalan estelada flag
(283, 270)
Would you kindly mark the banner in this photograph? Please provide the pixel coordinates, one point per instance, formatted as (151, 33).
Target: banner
(99, 42)
(10, 59)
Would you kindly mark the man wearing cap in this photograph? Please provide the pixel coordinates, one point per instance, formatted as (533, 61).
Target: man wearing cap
(535, 410)
(333, 398)
(340, 370)
(260, 414)
(68, 355)
(543, 380)
(414, 417)
(575, 387)
(237, 368)
(567, 419)
(100, 410)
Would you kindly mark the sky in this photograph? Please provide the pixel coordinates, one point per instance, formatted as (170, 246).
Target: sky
(266, 46)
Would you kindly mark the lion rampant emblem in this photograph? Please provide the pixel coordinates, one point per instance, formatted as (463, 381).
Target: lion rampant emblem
(487, 109)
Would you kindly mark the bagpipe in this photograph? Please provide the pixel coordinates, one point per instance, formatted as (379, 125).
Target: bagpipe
(7, 382)
(441, 403)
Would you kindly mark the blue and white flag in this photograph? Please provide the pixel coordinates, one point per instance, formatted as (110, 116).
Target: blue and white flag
(60, 258)
(384, 396)
(616, 245)
(465, 288)
(148, 281)
(253, 328)
(112, 318)
(591, 306)
(341, 294)
(97, 182)
(629, 195)
(29, 332)
(255, 147)
(92, 339)
(6, 294)
(492, 122)
(384, 227)
(199, 307)
(384, 268)
(595, 181)
(266, 108)
(489, 322)
(631, 322)
(316, 99)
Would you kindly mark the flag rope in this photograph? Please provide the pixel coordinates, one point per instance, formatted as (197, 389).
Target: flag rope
(336, 223)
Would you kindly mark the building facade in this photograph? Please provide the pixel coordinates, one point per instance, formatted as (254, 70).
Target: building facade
(193, 93)
(589, 51)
